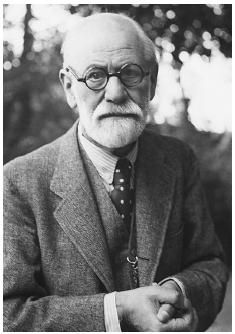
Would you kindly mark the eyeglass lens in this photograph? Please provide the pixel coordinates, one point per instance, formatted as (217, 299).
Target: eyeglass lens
(130, 75)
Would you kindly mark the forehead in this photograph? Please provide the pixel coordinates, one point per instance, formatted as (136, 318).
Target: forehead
(104, 43)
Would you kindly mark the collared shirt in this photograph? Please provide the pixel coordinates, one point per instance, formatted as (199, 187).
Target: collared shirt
(105, 162)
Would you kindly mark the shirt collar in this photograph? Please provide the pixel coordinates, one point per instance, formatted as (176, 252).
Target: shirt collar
(104, 162)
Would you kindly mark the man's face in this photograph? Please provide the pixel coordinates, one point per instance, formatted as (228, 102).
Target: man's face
(115, 116)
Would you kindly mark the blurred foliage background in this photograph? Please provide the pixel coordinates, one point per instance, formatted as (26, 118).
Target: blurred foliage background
(193, 96)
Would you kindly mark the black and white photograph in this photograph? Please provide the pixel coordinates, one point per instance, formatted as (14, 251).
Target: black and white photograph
(117, 167)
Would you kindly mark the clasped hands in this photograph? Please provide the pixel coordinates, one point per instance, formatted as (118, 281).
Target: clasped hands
(156, 309)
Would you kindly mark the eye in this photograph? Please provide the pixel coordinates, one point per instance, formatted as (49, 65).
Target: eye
(96, 74)
(131, 71)
(131, 75)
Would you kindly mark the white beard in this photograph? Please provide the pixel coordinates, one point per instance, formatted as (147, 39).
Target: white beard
(115, 132)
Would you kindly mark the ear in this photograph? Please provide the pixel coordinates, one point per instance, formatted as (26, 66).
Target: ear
(153, 78)
(66, 82)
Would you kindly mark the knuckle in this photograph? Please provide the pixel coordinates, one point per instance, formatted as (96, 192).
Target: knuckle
(176, 296)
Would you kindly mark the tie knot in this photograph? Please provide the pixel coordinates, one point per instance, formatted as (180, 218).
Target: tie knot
(122, 172)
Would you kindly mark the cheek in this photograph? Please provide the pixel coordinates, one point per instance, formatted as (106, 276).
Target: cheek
(140, 96)
(87, 101)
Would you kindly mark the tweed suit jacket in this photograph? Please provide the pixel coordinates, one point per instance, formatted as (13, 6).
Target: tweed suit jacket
(56, 258)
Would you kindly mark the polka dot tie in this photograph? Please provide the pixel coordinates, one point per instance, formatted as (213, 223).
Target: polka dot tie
(122, 196)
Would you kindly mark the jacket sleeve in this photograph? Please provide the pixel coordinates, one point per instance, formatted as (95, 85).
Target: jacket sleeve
(204, 273)
(27, 304)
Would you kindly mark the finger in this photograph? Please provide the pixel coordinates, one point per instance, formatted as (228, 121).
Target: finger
(165, 312)
(195, 320)
(185, 323)
(169, 296)
(155, 284)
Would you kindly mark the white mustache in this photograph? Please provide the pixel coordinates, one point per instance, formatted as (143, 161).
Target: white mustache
(128, 108)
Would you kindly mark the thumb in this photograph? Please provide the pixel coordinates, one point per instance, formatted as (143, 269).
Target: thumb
(168, 296)
(165, 312)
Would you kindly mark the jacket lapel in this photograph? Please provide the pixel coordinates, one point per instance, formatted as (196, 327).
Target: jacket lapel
(77, 212)
(154, 191)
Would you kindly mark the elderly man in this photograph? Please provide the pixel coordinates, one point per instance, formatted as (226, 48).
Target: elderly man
(106, 228)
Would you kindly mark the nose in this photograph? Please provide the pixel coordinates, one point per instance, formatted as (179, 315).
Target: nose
(115, 91)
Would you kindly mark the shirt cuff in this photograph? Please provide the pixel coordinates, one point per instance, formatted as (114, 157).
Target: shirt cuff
(112, 324)
(177, 281)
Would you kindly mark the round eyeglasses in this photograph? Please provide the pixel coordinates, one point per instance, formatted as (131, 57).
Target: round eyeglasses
(96, 78)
